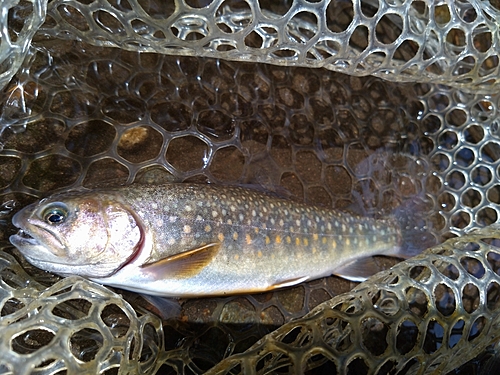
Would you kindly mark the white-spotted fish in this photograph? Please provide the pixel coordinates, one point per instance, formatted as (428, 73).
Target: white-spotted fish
(197, 240)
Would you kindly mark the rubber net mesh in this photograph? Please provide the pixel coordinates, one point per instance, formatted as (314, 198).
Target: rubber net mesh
(402, 107)
(452, 42)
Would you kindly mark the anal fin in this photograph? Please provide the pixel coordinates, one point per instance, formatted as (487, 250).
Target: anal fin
(186, 264)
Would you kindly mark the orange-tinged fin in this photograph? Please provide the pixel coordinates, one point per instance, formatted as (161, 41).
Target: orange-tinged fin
(289, 282)
(358, 270)
(186, 264)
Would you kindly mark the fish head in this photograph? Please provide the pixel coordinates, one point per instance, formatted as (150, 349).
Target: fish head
(91, 235)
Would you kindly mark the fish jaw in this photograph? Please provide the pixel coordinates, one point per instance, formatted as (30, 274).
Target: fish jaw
(28, 245)
(36, 253)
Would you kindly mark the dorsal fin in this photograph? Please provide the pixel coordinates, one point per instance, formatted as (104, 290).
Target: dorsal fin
(185, 264)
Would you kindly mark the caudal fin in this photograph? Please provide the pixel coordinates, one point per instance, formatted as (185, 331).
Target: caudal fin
(417, 235)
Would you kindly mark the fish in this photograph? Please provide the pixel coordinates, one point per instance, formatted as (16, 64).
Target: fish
(195, 240)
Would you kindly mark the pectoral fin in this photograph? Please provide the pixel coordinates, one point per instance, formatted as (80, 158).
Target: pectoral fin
(185, 264)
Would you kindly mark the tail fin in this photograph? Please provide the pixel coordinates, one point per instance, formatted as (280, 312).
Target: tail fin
(416, 228)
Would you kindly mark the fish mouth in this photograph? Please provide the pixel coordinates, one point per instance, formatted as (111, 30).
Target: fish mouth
(25, 235)
(22, 239)
(34, 251)
(35, 241)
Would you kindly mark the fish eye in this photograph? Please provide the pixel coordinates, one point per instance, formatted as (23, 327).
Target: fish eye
(55, 213)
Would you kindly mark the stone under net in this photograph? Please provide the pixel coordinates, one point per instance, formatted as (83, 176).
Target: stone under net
(79, 113)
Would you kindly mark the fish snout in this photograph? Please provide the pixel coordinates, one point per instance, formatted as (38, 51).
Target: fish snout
(21, 217)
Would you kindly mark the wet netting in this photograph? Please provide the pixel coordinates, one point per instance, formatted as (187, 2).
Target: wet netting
(365, 106)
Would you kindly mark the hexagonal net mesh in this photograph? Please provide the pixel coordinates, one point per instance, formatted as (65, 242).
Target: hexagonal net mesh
(80, 114)
(448, 41)
(73, 325)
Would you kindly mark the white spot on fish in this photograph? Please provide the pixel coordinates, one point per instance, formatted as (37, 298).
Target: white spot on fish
(172, 219)
(187, 229)
(171, 241)
(282, 222)
(188, 208)
(214, 213)
(199, 218)
(154, 206)
(224, 212)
